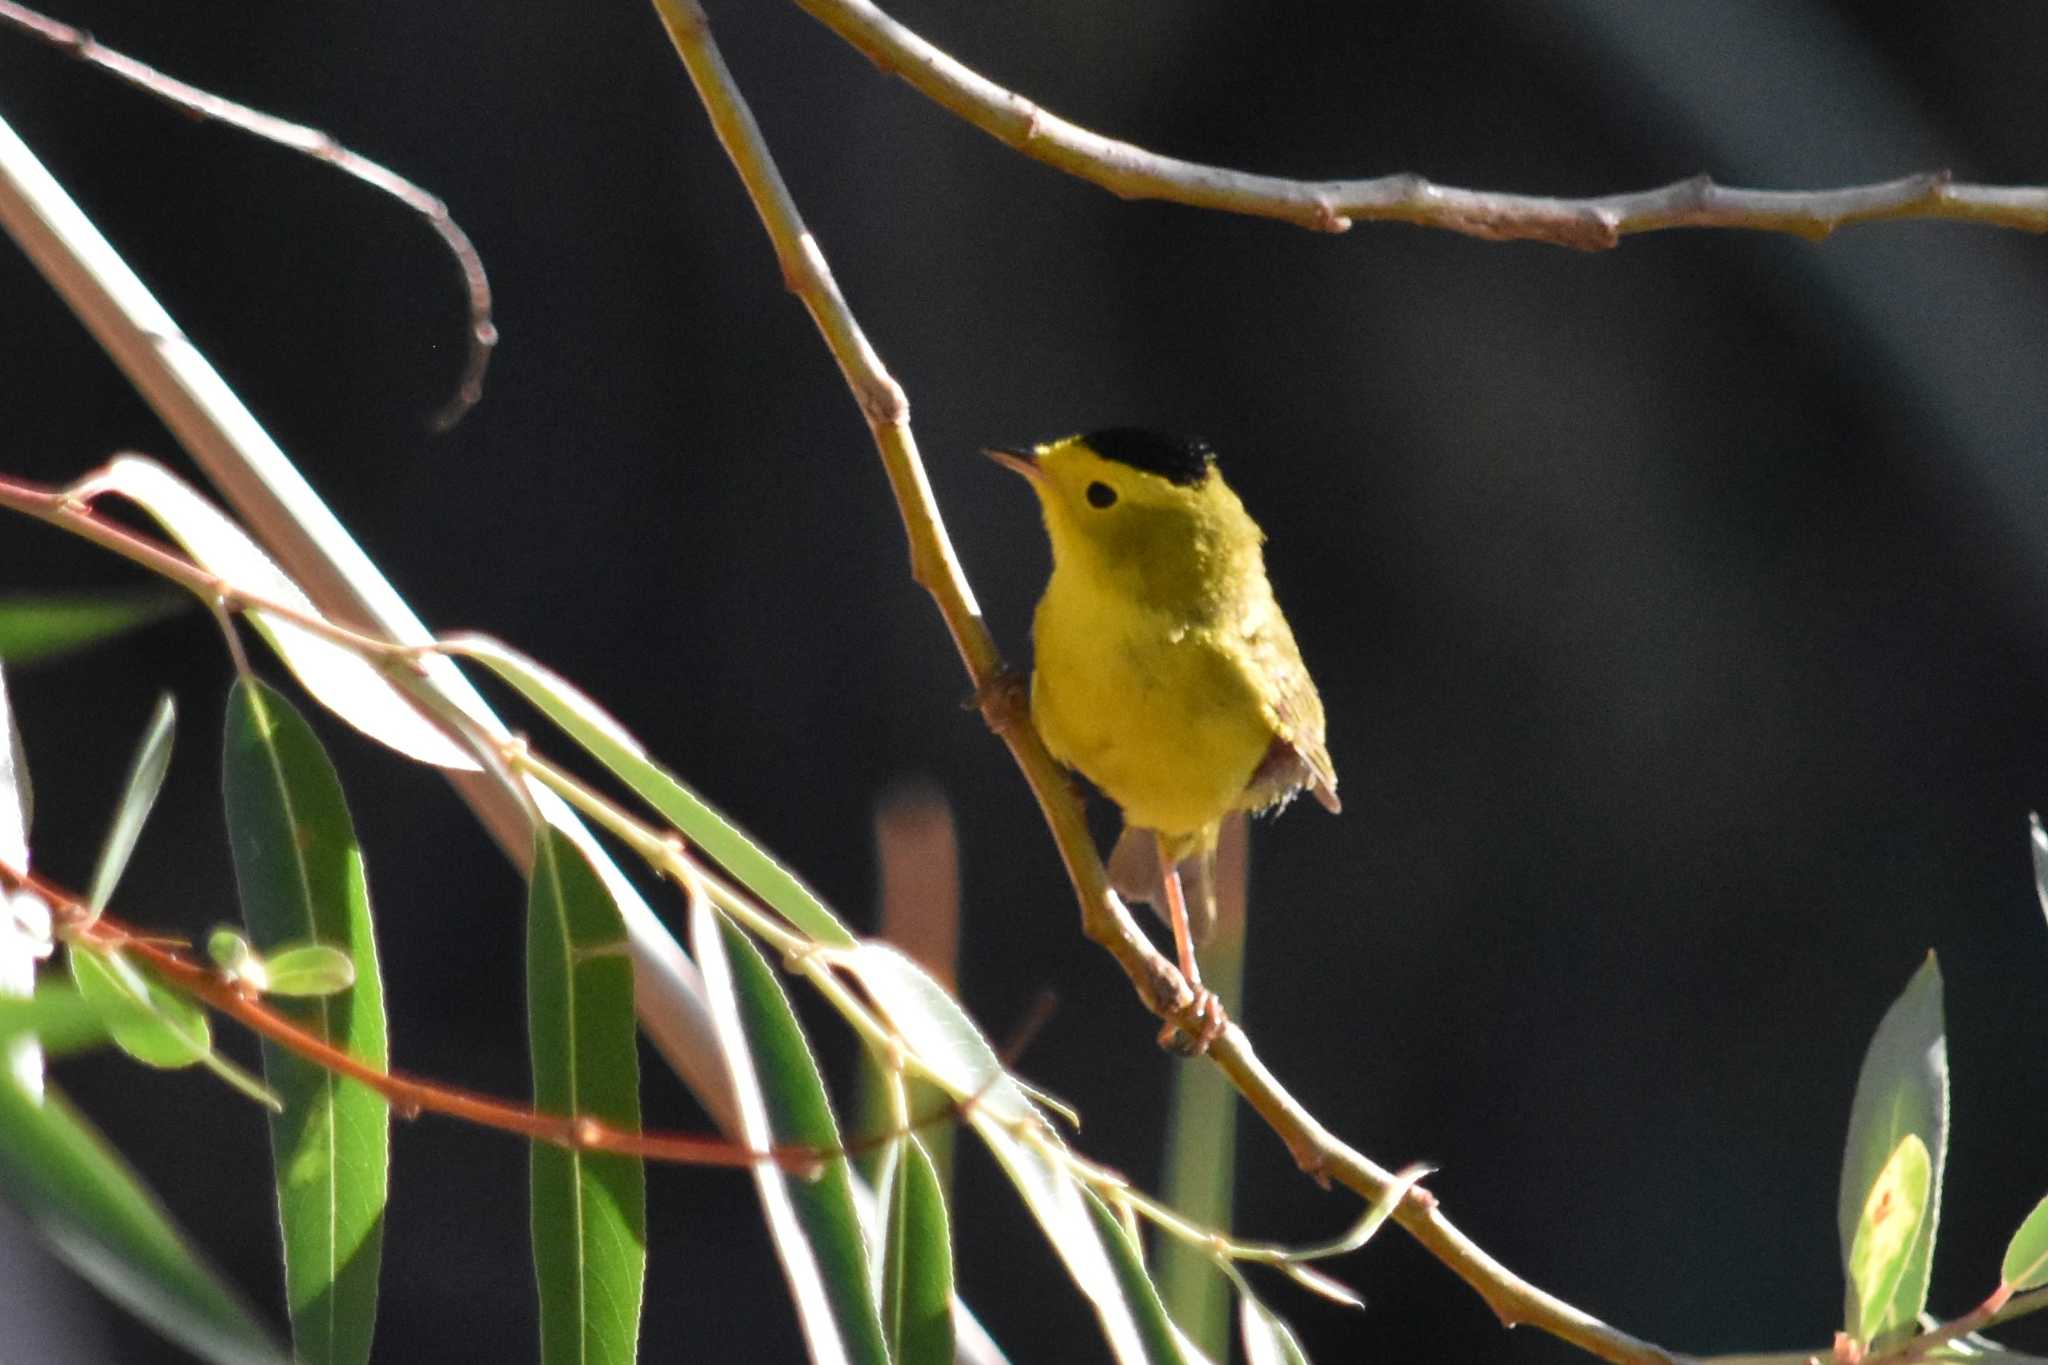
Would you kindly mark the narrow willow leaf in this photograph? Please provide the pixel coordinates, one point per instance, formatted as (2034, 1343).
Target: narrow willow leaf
(1885, 1234)
(2026, 1256)
(1903, 1088)
(300, 874)
(155, 1026)
(945, 1040)
(138, 794)
(341, 680)
(1155, 1329)
(917, 1263)
(39, 627)
(94, 1213)
(782, 1102)
(605, 740)
(1267, 1339)
(589, 1208)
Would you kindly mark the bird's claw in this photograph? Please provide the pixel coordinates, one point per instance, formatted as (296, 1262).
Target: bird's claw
(1198, 1021)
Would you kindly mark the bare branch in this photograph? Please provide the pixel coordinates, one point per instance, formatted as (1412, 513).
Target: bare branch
(483, 332)
(1104, 917)
(1595, 224)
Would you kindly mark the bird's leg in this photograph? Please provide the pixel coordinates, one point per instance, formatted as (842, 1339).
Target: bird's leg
(1206, 1007)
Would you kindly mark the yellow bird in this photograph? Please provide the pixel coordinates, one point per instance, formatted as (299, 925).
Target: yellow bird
(1164, 671)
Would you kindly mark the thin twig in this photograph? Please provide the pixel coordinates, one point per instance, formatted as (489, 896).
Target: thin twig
(1103, 915)
(1592, 224)
(409, 1096)
(202, 104)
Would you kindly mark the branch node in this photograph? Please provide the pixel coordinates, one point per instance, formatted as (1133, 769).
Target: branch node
(882, 401)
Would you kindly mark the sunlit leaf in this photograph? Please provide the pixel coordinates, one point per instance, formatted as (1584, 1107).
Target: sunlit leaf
(155, 1026)
(1885, 1234)
(1902, 1089)
(25, 940)
(725, 843)
(2038, 841)
(1155, 1329)
(93, 1212)
(917, 1263)
(341, 680)
(589, 1208)
(782, 1103)
(944, 1039)
(308, 970)
(300, 874)
(17, 798)
(138, 795)
(2026, 1256)
(1267, 1339)
(34, 628)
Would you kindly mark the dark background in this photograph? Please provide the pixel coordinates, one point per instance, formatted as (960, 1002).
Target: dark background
(1676, 608)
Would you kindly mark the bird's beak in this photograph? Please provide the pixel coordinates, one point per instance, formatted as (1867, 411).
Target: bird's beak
(1016, 458)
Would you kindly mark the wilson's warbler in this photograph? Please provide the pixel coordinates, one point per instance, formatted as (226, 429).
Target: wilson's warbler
(1165, 672)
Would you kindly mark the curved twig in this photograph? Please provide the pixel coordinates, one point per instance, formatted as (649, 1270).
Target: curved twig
(1593, 224)
(476, 286)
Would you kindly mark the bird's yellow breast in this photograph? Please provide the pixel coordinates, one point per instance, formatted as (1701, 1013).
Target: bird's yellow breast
(1162, 712)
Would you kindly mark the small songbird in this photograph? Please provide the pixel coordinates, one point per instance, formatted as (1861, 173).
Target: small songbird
(1165, 672)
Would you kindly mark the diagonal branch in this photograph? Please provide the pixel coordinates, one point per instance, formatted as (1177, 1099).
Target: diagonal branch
(1595, 224)
(1103, 915)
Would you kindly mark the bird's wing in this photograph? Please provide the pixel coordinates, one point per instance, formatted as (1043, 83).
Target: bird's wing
(1298, 758)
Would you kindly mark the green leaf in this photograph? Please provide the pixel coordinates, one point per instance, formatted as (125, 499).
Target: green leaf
(1902, 1089)
(338, 678)
(1162, 1346)
(961, 1060)
(1268, 1340)
(782, 1102)
(61, 1019)
(300, 874)
(917, 1263)
(310, 969)
(1885, 1234)
(605, 740)
(152, 1024)
(2026, 1256)
(231, 952)
(138, 794)
(93, 1212)
(589, 1208)
(40, 627)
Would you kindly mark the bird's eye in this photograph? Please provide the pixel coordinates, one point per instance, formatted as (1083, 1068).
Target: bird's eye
(1101, 495)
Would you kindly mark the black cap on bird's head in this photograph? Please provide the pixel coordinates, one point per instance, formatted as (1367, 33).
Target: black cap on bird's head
(1183, 460)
